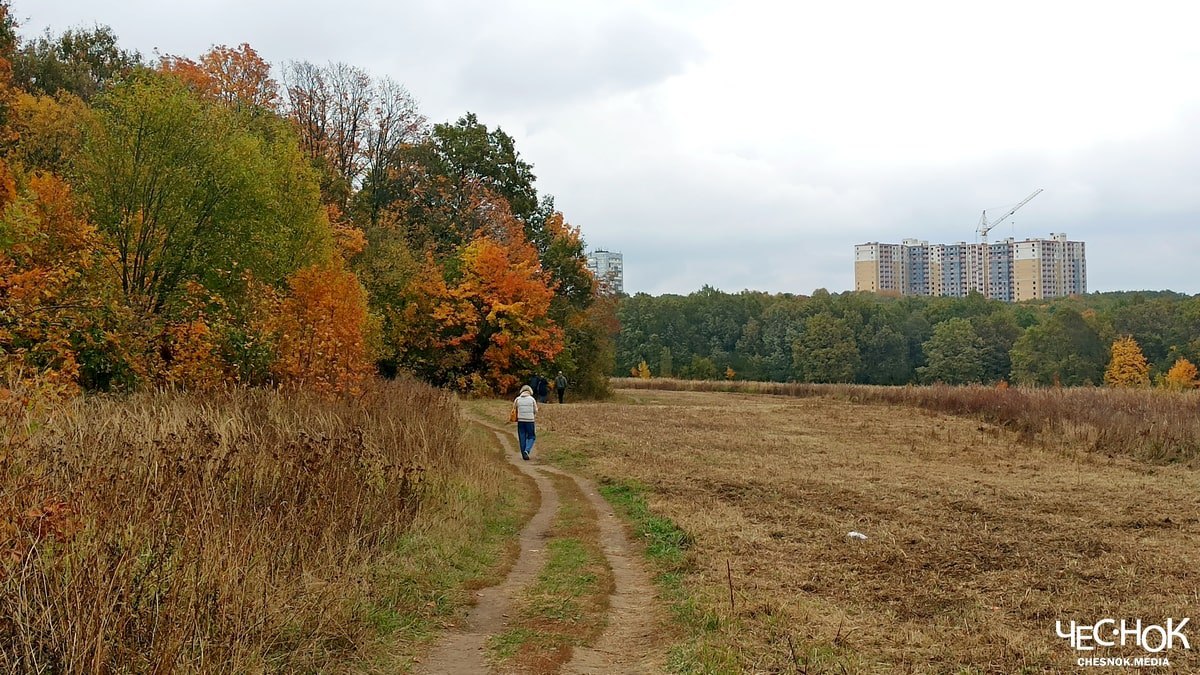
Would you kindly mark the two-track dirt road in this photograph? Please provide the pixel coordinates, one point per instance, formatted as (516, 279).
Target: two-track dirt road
(630, 642)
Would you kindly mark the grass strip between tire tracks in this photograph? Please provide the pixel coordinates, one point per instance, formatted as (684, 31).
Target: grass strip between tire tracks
(567, 604)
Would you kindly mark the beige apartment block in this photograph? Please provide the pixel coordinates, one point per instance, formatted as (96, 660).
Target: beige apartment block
(877, 268)
(1007, 270)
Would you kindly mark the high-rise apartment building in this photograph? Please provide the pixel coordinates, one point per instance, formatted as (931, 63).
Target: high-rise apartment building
(609, 269)
(1007, 270)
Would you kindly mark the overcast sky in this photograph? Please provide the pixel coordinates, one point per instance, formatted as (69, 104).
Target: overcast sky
(751, 144)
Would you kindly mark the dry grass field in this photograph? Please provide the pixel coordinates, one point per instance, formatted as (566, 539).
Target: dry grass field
(977, 541)
(244, 530)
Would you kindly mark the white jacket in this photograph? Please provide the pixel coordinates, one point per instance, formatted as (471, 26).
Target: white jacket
(526, 408)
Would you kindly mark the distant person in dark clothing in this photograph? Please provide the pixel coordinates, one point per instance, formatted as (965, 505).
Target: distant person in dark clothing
(560, 385)
(542, 390)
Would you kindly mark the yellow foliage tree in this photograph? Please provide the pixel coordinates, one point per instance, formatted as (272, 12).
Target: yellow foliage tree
(730, 373)
(642, 370)
(1181, 376)
(1127, 367)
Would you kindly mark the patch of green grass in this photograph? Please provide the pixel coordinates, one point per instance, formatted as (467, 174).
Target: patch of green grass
(567, 575)
(568, 458)
(436, 570)
(553, 600)
(667, 547)
(505, 645)
(666, 543)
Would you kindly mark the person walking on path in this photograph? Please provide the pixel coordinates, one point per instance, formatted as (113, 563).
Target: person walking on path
(560, 385)
(526, 407)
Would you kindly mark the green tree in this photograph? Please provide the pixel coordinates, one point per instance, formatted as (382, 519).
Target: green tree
(884, 352)
(666, 368)
(187, 193)
(471, 151)
(997, 333)
(84, 62)
(954, 355)
(825, 351)
(701, 368)
(782, 322)
(1063, 350)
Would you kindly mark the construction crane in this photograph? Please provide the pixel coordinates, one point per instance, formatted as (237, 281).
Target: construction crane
(985, 226)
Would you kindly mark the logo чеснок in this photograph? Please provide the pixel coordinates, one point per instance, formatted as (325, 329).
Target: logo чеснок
(1154, 638)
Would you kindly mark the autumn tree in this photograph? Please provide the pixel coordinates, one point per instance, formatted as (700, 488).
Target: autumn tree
(444, 190)
(493, 322)
(50, 288)
(395, 123)
(346, 121)
(1181, 376)
(49, 131)
(237, 77)
(1127, 367)
(321, 328)
(8, 47)
(187, 347)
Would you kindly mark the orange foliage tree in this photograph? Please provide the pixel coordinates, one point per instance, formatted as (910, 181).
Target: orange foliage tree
(493, 324)
(1181, 376)
(48, 255)
(187, 352)
(321, 327)
(642, 370)
(238, 77)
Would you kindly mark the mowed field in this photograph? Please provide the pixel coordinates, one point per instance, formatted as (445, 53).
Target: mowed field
(977, 543)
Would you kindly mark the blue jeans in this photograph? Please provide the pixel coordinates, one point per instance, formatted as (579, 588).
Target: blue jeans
(525, 436)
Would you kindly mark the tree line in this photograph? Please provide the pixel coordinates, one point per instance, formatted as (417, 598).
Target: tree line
(872, 339)
(194, 222)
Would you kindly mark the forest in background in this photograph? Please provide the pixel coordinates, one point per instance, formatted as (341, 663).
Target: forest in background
(194, 222)
(1122, 338)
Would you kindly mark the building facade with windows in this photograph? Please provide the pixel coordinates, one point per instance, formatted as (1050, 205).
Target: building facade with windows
(609, 269)
(1007, 270)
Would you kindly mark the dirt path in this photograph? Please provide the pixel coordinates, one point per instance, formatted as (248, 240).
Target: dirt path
(464, 650)
(628, 642)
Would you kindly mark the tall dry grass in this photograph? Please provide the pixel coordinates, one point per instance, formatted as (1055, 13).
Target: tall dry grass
(1148, 424)
(229, 532)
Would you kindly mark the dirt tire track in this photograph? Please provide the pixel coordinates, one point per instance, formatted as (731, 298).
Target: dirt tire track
(630, 641)
(464, 650)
